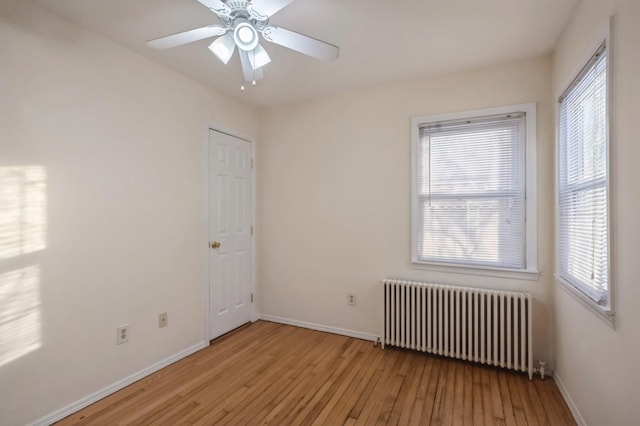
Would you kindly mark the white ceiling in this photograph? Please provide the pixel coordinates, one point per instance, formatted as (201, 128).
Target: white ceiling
(380, 41)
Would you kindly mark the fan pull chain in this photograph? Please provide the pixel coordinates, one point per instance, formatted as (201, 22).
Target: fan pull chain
(253, 83)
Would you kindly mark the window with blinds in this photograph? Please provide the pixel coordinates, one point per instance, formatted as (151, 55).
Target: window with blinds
(583, 222)
(470, 185)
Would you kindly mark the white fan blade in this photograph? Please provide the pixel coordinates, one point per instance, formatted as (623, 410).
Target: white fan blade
(263, 9)
(258, 57)
(301, 43)
(217, 6)
(249, 73)
(223, 47)
(186, 37)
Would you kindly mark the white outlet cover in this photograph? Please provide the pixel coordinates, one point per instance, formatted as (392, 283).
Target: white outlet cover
(163, 320)
(123, 334)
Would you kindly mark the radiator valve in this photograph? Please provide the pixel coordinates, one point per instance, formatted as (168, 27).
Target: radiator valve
(540, 369)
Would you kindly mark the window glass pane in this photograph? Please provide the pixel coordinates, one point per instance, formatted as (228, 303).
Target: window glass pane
(582, 186)
(471, 192)
(481, 231)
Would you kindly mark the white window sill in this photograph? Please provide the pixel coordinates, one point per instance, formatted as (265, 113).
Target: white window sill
(603, 313)
(519, 274)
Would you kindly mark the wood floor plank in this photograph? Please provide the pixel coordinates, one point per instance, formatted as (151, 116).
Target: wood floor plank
(403, 407)
(527, 405)
(440, 399)
(307, 383)
(420, 404)
(487, 402)
(348, 362)
(516, 401)
(371, 410)
(430, 396)
(458, 396)
(557, 410)
(496, 397)
(393, 401)
(269, 373)
(509, 416)
(477, 400)
(324, 376)
(239, 378)
(346, 406)
(333, 411)
(536, 403)
(467, 407)
(259, 390)
(350, 421)
(390, 396)
(365, 396)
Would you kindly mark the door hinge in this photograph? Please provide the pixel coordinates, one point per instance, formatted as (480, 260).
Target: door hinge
(252, 163)
(252, 230)
(251, 297)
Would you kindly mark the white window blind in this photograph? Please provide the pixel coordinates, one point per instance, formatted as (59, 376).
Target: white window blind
(583, 182)
(471, 192)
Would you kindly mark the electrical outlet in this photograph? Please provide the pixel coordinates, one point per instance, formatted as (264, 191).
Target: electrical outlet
(163, 320)
(351, 299)
(123, 334)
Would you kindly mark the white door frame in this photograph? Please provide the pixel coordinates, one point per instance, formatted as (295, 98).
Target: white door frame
(205, 231)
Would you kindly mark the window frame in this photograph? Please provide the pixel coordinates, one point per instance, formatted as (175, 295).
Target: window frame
(604, 312)
(530, 272)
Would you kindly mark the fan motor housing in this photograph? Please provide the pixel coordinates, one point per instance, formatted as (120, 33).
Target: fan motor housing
(244, 34)
(239, 9)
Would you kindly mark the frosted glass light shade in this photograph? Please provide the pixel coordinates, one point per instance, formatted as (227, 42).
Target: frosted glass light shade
(223, 48)
(259, 57)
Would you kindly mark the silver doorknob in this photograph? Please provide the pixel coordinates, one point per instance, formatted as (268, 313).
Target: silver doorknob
(215, 244)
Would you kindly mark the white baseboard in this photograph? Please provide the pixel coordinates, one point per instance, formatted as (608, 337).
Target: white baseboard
(104, 392)
(320, 327)
(567, 398)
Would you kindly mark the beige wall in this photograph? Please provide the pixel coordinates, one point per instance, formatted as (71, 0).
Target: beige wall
(106, 150)
(334, 195)
(597, 365)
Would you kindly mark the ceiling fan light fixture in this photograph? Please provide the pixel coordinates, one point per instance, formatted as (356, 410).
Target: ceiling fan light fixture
(223, 48)
(245, 35)
(242, 22)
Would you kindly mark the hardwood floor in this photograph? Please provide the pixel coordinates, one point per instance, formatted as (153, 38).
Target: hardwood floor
(268, 373)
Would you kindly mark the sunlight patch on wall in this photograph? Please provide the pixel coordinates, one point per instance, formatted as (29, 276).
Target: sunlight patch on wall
(23, 220)
(20, 325)
(22, 210)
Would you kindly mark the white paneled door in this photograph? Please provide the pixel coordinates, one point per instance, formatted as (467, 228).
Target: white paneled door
(230, 229)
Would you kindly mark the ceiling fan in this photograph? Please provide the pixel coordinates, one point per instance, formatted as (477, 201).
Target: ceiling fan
(242, 21)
